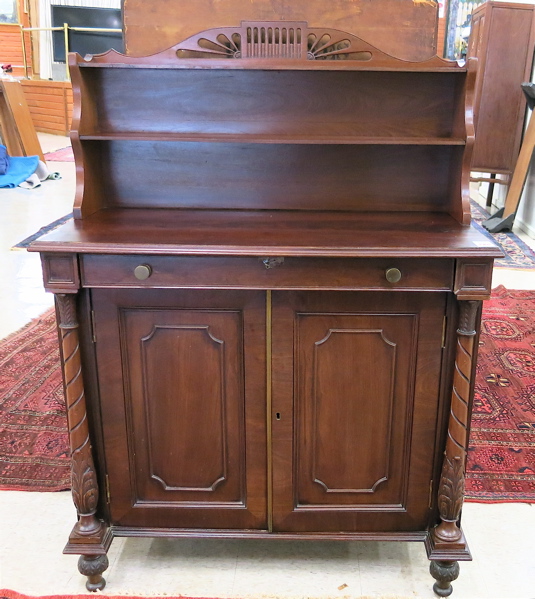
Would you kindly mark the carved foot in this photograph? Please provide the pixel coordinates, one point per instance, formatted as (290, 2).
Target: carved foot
(92, 566)
(444, 573)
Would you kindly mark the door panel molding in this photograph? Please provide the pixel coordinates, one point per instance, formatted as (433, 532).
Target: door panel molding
(320, 473)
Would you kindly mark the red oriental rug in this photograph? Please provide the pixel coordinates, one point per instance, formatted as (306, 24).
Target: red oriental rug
(7, 594)
(63, 155)
(34, 454)
(501, 458)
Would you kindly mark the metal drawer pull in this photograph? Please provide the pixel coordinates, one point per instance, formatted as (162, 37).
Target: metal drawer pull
(142, 272)
(393, 275)
(273, 262)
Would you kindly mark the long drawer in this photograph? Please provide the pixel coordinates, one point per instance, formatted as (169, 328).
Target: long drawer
(223, 272)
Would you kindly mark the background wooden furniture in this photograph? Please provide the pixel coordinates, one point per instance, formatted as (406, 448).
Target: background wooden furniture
(404, 29)
(16, 125)
(504, 218)
(50, 104)
(503, 40)
(259, 235)
(12, 50)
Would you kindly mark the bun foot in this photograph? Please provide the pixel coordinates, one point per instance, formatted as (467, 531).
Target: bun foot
(92, 566)
(444, 573)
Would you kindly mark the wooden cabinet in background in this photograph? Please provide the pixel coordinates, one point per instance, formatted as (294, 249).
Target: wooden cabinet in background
(502, 38)
(271, 293)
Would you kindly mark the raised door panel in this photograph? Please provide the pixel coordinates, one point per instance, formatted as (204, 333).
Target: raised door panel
(362, 373)
(182, 394)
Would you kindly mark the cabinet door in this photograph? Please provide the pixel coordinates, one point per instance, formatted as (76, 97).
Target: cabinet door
(182, 386)
(355, 402)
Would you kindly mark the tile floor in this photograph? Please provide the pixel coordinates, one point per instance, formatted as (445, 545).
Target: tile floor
(35, 526)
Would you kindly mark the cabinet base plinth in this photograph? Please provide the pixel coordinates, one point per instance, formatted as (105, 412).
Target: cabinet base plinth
(440, 551)
(89, 545)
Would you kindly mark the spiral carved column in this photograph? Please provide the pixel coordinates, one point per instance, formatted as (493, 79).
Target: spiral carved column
(83, 474)
(451, 489)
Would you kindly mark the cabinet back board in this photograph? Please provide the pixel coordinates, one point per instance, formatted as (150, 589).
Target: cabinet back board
(275, 176)
(271, 102)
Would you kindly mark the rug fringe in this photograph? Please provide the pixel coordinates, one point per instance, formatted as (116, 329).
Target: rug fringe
(9, 594)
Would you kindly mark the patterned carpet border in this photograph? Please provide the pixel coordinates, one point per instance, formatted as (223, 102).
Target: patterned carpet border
(8, 594)
(46, 229)
(62, 155)
(518, 255)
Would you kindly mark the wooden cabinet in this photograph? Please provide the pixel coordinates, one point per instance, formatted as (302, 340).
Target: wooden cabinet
(191, 423)
(354, 399)
(502, 38)
(269, 297)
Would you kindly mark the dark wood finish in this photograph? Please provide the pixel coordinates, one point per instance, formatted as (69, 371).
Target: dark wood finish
(273, 252)
(283, 176)
(503, 40)
(92, 566)
(355, 401)
(192, 439)
(248, 123)
(90, 536)
(473, 279)
(444, 573)
(404, 29)
(269, 233)
(84, 482)
(60, 273)
(247, 273)
(451, 491)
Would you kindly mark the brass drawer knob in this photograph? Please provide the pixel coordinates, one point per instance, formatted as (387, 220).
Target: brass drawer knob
(142, 272)
(393, 275)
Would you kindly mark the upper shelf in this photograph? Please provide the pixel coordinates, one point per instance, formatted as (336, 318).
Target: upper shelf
(115, 61)
(275, 138)
(271, 106)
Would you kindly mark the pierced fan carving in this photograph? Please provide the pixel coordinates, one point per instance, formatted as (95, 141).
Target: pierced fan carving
(275, 39)
(222, 46)
(325, 48)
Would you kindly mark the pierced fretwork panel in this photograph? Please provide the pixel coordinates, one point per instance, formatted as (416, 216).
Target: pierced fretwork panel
(277, 39)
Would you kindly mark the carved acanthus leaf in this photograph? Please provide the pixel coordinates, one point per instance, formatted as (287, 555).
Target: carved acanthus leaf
(451, 492)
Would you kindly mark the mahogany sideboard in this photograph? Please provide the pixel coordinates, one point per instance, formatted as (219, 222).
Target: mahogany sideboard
(269, 297)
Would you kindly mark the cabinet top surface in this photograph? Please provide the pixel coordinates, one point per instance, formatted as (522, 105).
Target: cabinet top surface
(260, 232)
